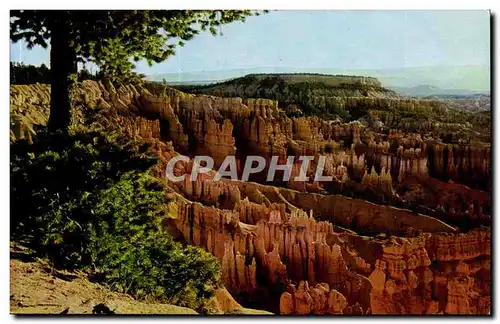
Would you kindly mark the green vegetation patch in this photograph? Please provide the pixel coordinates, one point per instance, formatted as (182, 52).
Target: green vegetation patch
(85, 202)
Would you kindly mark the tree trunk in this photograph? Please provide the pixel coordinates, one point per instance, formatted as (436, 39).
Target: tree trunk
(62, 65)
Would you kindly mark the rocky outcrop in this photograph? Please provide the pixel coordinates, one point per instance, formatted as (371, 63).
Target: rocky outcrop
(462, 246)
(382, 182)
(278, 249)
(29, 106)
(317, 300)
(407, 279)
(467, 164)
(347, 212)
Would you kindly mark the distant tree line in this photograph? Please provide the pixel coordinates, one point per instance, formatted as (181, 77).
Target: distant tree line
(21, 73)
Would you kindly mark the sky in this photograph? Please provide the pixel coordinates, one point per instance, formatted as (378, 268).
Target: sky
(327, 39)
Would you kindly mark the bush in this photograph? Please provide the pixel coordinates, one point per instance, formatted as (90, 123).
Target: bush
(87, 203)
(136, 255)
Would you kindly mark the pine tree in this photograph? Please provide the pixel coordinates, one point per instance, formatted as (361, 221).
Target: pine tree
(110, 39)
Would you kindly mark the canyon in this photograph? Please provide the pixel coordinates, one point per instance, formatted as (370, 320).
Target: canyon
(403, 228)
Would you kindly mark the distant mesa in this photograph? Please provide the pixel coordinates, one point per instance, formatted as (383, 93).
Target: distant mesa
(474, 78)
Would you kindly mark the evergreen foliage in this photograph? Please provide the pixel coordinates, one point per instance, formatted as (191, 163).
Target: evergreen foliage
(85, 202)
(21, 73)
(112, 39)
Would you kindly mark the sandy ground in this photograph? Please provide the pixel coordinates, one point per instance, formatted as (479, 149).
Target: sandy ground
(36, 288)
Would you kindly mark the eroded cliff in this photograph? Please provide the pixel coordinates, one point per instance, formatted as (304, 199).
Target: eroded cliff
(391, 234)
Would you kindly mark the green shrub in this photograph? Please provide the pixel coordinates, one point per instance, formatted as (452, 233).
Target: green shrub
(136, 255)
(58, 174)
(87, 203)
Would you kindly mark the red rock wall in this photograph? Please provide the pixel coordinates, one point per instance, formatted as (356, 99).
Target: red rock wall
(302, 249)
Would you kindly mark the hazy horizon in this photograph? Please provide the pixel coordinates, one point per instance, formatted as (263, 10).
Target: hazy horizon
(472, 78)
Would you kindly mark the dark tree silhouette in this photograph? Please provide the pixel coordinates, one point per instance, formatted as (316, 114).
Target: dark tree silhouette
(110, 39)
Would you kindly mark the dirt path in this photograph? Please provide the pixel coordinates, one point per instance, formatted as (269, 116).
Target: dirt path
(36, 288)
